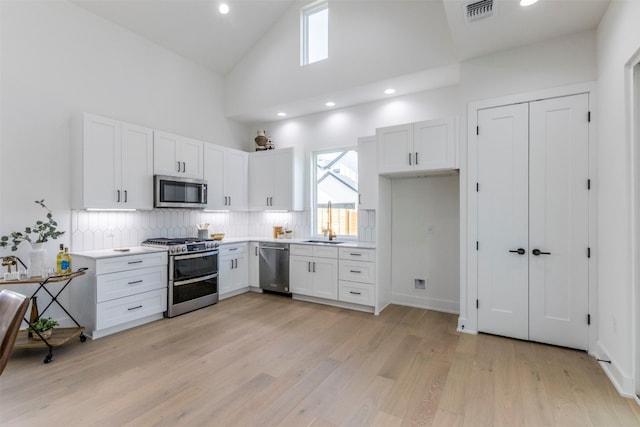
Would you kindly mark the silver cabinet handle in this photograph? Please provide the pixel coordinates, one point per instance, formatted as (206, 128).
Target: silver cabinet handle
(314, 267)
(416, 157)
(178, 166)
(355, 293)
(256, 251)
(184, 167)
(126, 197)
(309, 266)
(409, 159)
(134, 308)
(356, 271)
(236, 262)
(355, 254)
(118, 191)
(267, 201)
(233, 249)
(134, 282)
(229, 200)
(231, 264)
(135, 262)
(359, 198)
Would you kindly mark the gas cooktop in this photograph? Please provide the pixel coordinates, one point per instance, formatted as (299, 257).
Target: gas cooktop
(181, 244)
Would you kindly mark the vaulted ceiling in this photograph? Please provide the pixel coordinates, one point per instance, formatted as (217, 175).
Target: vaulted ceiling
(196, 30)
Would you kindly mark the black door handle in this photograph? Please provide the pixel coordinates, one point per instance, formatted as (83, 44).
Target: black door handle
(537, 252)
(519, 251)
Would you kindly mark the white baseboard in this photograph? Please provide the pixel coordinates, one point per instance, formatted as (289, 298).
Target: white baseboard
(445, 306)
(621, 381)
(462, 321)
(334, 303)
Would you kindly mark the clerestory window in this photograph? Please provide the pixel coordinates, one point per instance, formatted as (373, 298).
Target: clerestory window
(315, 33)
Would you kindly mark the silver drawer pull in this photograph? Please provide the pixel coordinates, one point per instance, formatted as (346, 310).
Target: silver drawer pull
(134, 262)
(134, 308)
(356, 271)
(134, 282)
(355, 293)
(355, 254)
(233, 249)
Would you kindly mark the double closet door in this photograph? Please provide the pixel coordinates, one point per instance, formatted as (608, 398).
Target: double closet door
(533, 223)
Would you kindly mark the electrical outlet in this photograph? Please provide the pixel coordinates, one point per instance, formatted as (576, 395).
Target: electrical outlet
(419, 284)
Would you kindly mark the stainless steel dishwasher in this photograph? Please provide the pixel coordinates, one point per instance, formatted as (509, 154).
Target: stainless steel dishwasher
(274, 267)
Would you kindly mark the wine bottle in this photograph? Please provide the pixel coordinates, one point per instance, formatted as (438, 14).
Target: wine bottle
(33, 318)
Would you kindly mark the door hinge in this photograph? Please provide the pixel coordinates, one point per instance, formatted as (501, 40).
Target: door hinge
(477, 130)
(588, 184)
(477, 245)
(477, 187)
(589, 116)
(477, 304)
(588, 319)
(588, 252)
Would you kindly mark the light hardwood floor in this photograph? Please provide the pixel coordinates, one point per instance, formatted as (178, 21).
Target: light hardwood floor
(261, 360)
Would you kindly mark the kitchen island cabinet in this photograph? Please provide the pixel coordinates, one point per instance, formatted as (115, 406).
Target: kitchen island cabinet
(121, 290)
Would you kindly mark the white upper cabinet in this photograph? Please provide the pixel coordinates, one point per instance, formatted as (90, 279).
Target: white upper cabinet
(225, 171)
(429, 146)
(275, 180)
(367, 173)
(113, 165)
(176, 155)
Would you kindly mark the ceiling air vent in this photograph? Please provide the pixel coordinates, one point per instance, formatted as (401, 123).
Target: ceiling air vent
(480, 10)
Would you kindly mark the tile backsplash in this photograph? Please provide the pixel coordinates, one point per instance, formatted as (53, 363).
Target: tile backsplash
(106, 230)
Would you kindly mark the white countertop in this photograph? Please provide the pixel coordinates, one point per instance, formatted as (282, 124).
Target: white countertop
(344, 244)
(110, 253)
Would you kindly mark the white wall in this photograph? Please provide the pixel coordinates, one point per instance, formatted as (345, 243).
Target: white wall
(271, 74)
(425, 242)
(618, 41)
(59, 60)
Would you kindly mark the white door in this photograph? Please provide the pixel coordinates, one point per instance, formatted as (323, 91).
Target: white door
(434, 145)
(325, 278)
(395, 149)
(533, 221)
(503, 306)
(300, 275)
(558, 221)
(367, 173)
(260, 180)
(190, 157)
(226, 265)
(137, 167)
(214, 175)
(235, 179)
(282, 179)
(101, 162)
(165, 151)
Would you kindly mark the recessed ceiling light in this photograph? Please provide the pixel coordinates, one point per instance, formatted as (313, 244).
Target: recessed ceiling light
(525, 3)
(390, 91)
(282, 114)
(330, 104)
(223, 8)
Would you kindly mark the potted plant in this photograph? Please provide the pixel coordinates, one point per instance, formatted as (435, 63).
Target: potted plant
(39, 233)
(44, 326)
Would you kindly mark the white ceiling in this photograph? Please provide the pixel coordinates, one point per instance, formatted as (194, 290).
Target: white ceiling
(196, 30)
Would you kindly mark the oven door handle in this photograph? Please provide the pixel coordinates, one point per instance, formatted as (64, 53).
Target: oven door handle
(196, 255)
(197, 279)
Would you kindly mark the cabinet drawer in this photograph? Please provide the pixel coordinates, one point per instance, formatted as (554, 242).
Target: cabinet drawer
(127, 283)
(356, 254)
(357, 293)
(233, 249)
(357, 271)
(130, 262)
(122, 310)
(302, 250)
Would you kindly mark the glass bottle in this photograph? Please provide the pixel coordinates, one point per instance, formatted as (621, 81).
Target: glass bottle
(66, 262)
(33, 318)
(59, 260)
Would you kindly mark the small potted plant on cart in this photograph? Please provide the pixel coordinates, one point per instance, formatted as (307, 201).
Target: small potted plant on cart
(43, 326)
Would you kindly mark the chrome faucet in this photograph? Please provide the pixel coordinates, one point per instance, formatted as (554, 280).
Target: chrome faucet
(332, 234)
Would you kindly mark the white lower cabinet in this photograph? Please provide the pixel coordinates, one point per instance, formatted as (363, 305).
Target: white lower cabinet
(313, 271)
(233, 272)
(254, 264)
(357, 276)
(119, 292)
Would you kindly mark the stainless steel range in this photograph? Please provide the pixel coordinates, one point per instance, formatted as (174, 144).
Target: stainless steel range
(193, 273)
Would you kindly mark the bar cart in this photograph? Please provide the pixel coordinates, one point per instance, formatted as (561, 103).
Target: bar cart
(60, 336)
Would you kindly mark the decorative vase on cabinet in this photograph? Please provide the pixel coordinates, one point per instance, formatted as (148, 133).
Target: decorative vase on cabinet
(37, 260)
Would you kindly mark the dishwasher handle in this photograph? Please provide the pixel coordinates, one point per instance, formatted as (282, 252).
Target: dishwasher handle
(274, 248)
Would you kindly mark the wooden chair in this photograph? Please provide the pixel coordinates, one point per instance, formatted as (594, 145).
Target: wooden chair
(13, 306)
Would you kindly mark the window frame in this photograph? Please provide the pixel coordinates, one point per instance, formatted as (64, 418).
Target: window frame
(305, 13)
(314, 197)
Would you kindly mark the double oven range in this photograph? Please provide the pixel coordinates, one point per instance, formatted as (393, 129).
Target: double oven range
(193, 273)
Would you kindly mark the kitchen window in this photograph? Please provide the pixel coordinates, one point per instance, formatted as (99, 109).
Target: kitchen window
(335, 202)
(314, 33)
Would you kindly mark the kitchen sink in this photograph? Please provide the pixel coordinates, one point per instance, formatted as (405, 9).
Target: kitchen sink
(326, 242)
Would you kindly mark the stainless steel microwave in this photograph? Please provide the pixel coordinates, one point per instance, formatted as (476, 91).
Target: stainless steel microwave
(175, 192)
